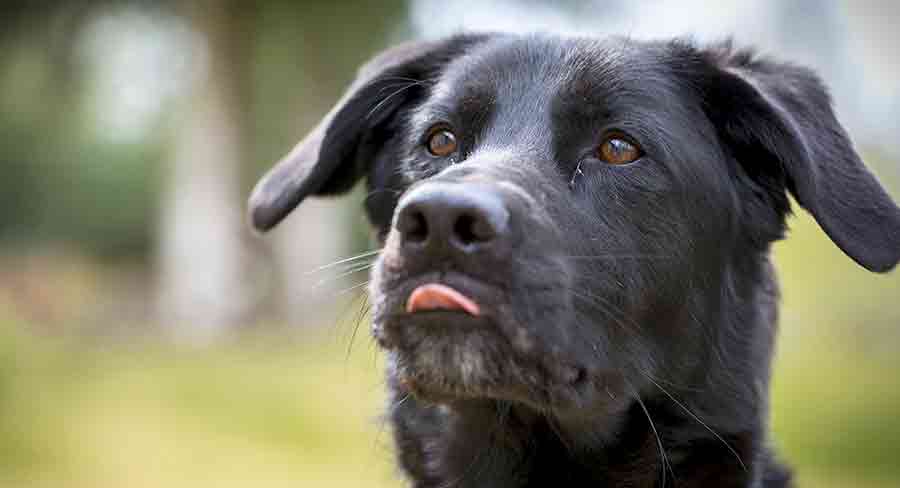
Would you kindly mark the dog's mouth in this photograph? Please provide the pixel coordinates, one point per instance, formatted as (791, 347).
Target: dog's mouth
(452, 337)
(435, 296)
(435, 306)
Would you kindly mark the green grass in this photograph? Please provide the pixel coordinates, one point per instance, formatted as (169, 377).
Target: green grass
(835, 416)
(257, 414)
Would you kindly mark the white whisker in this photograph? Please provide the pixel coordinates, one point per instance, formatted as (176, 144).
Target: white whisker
(354, 287)
(345, 260)
(701, 422)
(355, 269)
(659, 444)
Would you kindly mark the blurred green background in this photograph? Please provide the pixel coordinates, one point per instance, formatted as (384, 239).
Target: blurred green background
(147, 339)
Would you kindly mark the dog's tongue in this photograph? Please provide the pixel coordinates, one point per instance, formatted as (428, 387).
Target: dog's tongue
(434, 296)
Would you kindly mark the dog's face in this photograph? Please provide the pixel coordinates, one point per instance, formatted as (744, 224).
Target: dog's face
(563, 219)
(604, 202)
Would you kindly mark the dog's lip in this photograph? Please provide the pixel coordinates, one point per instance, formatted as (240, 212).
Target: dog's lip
(438, 296)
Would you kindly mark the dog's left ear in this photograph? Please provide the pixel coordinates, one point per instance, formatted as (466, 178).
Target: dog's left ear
(341, 148)
(777, 118)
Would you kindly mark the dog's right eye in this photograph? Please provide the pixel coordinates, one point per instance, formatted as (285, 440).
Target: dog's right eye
(618, 149)
(441, 142)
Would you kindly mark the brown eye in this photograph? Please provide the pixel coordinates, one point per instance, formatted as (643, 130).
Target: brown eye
(618, 150)
(441, 143)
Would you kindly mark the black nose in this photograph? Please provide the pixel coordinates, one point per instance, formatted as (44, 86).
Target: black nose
(452, 219)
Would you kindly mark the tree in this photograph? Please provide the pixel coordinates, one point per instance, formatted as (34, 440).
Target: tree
(202, 256)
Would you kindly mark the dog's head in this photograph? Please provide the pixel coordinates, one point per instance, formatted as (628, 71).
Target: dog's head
(565, 220)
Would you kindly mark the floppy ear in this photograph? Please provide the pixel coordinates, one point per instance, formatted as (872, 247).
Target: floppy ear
(340, 149)
(777, 118)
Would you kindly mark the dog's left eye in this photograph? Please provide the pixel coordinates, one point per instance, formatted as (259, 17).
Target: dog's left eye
(441, 142)
(617, 149)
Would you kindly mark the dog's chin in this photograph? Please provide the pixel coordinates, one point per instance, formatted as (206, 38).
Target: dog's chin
(446, 357)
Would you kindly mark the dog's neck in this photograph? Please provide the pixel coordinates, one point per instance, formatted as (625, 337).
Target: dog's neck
(487, 444)
(670, 438)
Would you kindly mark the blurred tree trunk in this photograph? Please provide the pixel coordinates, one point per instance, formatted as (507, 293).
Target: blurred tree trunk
(204, 285)
(316, 232)
(202, 256)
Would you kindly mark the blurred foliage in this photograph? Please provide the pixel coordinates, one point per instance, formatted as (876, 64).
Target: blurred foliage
(835, 392)
(301, 67)
(63, 184)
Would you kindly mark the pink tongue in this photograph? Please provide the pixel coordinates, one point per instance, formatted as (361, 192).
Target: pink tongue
(440, 297)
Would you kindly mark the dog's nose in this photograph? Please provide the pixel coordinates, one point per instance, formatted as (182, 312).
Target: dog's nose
(438, 219)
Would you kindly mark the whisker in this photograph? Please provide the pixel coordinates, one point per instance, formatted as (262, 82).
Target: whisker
(346, 308)
(360, 316)
(622, 321)
(392, 95)
(701, 422)
(608, 308)
(342, 261)
(559, 435)
(503, 409)
(405, 82)
(348, 266)
(383, 420)
(659, 444)
(352, 270)
(403, 78)
(402, 400)
(354, 287)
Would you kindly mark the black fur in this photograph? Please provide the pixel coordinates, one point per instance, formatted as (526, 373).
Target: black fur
(628, 334)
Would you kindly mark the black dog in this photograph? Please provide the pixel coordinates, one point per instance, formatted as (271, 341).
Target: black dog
(575, 287)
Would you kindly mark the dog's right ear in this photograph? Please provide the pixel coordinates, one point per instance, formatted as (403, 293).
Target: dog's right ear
(339, 150)
(778, 122)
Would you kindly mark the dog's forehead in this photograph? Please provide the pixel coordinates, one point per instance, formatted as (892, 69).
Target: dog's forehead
(536, 69)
